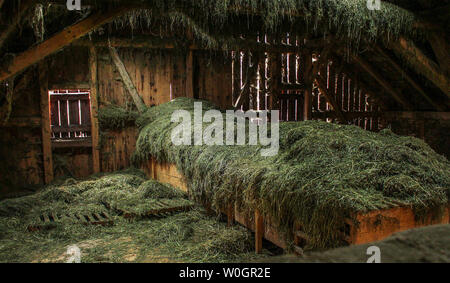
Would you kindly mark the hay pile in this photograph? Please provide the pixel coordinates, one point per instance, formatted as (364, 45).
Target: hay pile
(114, 117)
(185, 236)
(123, 191)
(323, 173)
(350, 19)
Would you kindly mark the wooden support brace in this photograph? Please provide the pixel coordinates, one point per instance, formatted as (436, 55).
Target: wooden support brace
(128, 83)
(259, 231)
(58, 41)
(93, 64)
(46, 129)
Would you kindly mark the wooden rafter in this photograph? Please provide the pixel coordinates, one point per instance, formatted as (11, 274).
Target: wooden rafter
(128, 83)
(422, 64)
(408, 78)
(17, 18)
(384, 83)
(58, 41)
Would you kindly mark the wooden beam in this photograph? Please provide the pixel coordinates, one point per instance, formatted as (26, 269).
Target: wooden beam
(93, 67)
(422, 64)
(409, 79)
(233, 44)
(387, 86)
(321, 83)
(45, 125)
(17, 18)
(58, 41)
(128, 83)
(259, 231)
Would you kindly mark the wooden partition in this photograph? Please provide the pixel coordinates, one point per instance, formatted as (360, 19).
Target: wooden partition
(370, 227)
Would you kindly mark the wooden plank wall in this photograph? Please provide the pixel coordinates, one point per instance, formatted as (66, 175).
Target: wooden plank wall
(21, 147)
(159, 76)
(213, 78)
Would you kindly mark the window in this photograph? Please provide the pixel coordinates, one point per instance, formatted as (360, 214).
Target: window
(70, 112)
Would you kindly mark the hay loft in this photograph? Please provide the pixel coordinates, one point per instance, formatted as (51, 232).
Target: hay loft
(87, 97)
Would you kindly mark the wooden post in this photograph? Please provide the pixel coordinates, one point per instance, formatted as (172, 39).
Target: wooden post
(45, 125)
(230, 215)
(259, 231)
(308, 79)
(190, 74)
(128, 83)
(93, 66)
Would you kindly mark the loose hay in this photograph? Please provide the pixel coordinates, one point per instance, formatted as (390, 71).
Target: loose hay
(185, 236)
(323, 173)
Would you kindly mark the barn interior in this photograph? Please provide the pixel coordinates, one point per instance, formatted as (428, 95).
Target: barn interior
(86, 104)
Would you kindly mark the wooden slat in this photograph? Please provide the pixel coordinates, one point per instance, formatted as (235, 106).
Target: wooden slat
(95, 132)
(73, 128)
(70, 97)
(74, 113)
(45, 116)
(78, 143)
(58, 41)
